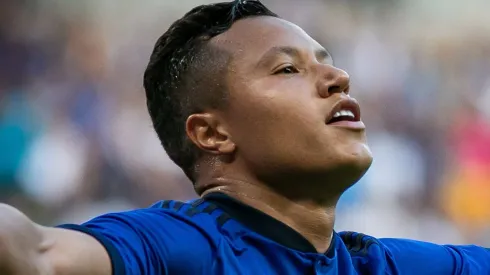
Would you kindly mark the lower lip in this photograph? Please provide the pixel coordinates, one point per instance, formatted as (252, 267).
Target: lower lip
(353, 125)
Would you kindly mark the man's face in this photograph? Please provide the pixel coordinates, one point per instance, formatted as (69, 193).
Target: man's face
(284, 91)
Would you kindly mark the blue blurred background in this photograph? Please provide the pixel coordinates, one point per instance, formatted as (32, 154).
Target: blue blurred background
(76, 139)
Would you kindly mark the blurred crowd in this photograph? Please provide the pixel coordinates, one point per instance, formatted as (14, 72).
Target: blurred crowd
(76, 139)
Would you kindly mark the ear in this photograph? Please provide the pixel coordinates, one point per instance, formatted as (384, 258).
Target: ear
(209, 134)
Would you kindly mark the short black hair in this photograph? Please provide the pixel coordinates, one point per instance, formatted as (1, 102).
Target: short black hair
(182, 64)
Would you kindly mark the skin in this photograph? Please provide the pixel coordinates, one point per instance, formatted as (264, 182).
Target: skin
(270, 148)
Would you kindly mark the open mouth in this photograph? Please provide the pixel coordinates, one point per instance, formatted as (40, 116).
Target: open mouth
(344, 110)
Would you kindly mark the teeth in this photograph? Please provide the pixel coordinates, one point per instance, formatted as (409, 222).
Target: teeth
(344, 113)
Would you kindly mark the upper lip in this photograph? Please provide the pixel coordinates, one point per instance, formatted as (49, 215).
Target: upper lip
(349, 104)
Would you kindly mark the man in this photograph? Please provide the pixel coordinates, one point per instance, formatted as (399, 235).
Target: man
(258, 117)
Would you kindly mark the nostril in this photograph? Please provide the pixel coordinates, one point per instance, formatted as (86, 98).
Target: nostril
(334, 89)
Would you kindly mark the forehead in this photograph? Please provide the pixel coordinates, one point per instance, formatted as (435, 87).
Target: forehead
(251, 37)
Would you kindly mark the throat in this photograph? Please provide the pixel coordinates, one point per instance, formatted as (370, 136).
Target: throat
(296, 219)
(315, 226)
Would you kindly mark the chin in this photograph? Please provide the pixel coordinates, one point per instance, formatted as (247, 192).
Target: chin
(350, 166)
(360, 166)
(361, 156)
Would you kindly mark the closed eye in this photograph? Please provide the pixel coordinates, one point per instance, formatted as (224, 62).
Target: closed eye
(289, 69)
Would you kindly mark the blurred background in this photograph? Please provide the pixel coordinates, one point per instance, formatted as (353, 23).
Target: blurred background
(76, 140)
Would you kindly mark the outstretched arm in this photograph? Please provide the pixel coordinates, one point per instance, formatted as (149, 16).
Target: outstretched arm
(414, 257)
(30, 249)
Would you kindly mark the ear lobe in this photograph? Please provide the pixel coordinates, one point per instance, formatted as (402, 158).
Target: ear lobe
(208, 134)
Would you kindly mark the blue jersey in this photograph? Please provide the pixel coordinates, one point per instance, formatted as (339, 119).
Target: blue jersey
(219, 235)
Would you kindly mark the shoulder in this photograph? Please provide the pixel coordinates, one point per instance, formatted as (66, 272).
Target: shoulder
(394, 256)
(359, 243)
(368, 254)
(163, 214)
(165, 218)
(168, 233)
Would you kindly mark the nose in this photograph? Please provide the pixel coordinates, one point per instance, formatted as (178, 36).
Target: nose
(332, 80)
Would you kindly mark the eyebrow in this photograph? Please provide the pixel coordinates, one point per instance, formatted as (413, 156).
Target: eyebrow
(320, 54)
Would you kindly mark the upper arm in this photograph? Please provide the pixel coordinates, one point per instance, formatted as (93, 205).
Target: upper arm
(28, 248)
(414, 257)
(67, 252)
(129, 241)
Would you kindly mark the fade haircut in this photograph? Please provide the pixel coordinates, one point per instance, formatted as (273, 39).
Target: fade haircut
(186, 75)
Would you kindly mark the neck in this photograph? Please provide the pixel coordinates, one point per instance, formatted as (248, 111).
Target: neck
(312, 218)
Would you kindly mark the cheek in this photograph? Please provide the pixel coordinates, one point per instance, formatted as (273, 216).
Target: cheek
(268, 133)
(256, 123)
(275, 116)
(268, 104)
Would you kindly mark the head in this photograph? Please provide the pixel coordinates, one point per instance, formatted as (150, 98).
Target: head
(236, 92)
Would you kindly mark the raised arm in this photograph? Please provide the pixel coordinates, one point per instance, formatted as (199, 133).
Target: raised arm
(30, 249)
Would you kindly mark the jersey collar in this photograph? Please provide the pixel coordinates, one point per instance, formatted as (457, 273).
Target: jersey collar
(264, 224)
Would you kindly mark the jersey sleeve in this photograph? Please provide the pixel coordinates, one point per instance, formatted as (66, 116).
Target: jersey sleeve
(142, 241)
(415, 257)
